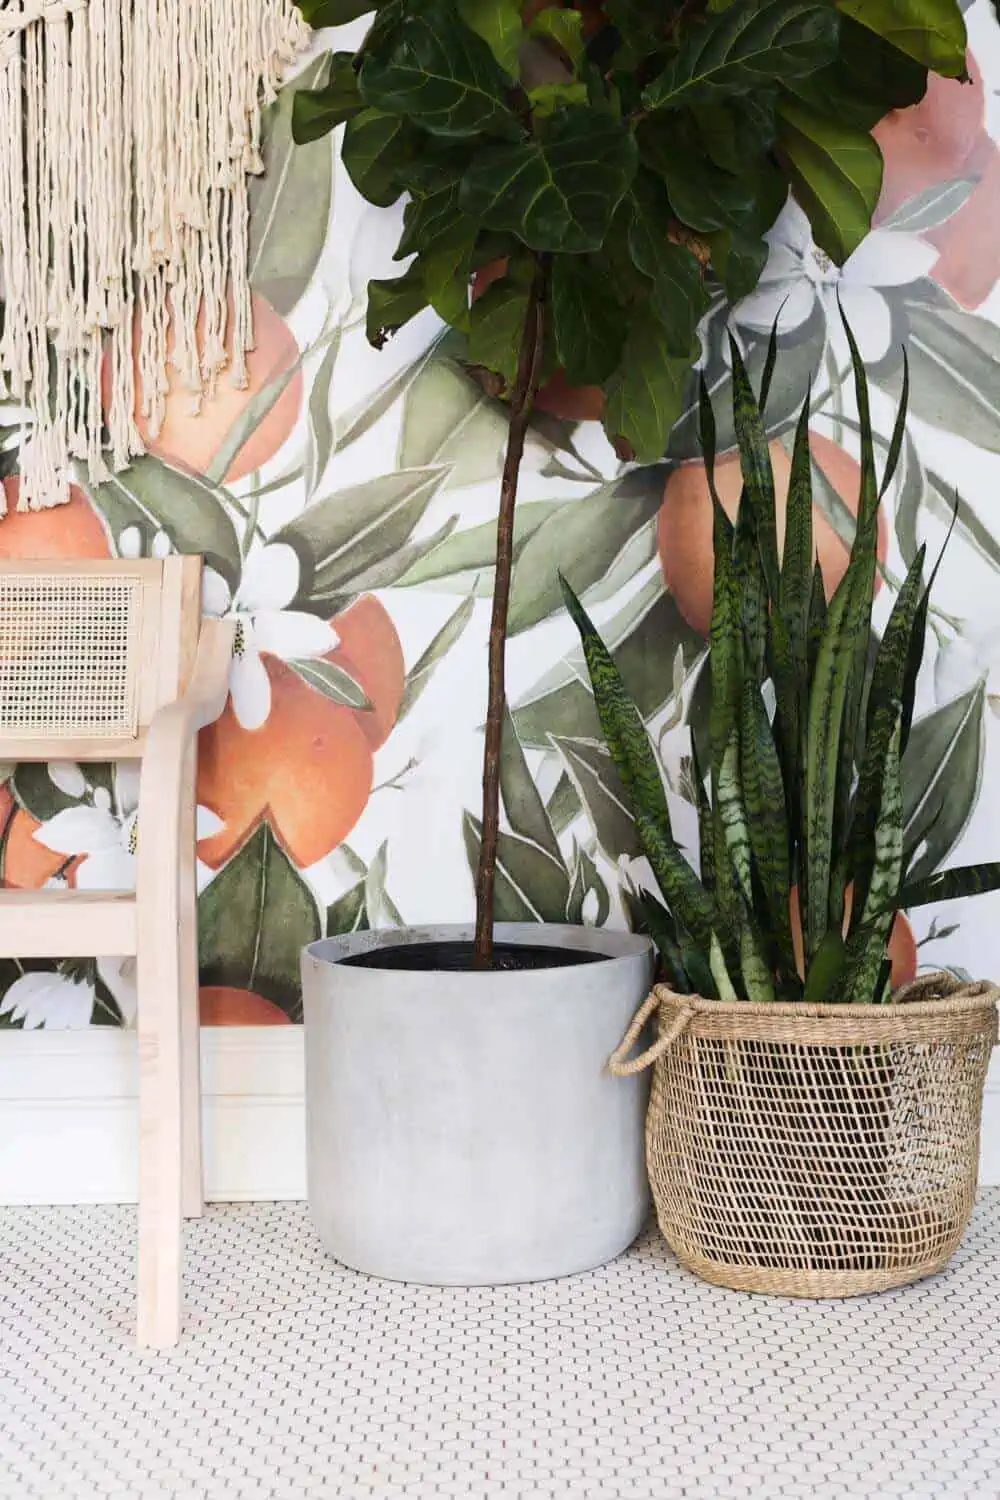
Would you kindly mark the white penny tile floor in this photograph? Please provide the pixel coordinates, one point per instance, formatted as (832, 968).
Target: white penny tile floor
(298, 1380)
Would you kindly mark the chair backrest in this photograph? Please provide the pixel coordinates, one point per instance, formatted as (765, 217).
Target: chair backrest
(90, 650)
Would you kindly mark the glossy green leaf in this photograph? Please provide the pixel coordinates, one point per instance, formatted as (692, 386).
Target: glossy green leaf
(290, 201)
(376, 146)
(498, 22)
(748, 45)
(836, 174)
(446, 264)
(646, 393)
(254, 919)
(152, 497)
(391, 304)
(558, 190)
(679, 294)
(496, 327)
(432, 68)
(315, 112)
(334, 12)
(588, 320)
(931, 31)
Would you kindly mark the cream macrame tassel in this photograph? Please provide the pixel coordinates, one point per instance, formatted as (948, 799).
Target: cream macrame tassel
(128, 129)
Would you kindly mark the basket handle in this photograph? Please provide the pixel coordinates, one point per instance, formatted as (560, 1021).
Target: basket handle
(617, 1063)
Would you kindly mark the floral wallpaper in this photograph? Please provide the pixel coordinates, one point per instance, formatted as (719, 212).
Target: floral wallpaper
(345, 506)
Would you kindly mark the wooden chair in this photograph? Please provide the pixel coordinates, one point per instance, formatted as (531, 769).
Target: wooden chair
(111, 661)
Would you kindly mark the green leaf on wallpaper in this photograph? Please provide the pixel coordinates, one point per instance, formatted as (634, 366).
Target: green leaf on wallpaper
(249, 419)
(954, 357)
(646, 632)
(385, 572)
(347, 914)
(836, 172)
(585, 880)
(152, 497)
(43, 795)
(380, 909)
(431, 657)
(442, 74)
(531, 885)
(331, 680)
(736, 51)
(931, 31)
(932, 206)
(254, 920)
(289, 202)
(364, 414)
(559, 189)
(522, 801)
(584, 539)
(465, 562)
(320, 421)
(340, 536)
(449, 419)
(598, 786)
(942, 776)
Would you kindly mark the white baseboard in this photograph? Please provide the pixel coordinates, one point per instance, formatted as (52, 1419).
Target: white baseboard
(69, 1125)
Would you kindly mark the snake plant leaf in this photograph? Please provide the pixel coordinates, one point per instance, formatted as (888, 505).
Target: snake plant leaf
(757, 980)
(436, 71)
(826, 968)
(622, 723)
(656, 921)
(919, 636)
(866, 946)
(764, 797)
(732, 813)
(720, 972)
(898, 431)
(755, 462)
(725, 642)
(750, 43)
(885, 706)
(817, 616)
(558, 190)
(797, 561)
(706, 844)
(948, 885)
(752, 589)
(770, 360)
(689, 902)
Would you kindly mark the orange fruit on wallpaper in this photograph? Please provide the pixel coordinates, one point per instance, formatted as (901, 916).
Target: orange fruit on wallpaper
(942, 138)
(27, 864)
(901, 948)
(221, 1005)
(308, 769)
(71, 530)
(684, 527)
(191, 435)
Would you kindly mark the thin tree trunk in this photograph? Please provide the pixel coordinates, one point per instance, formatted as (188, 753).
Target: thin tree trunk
(522, 401)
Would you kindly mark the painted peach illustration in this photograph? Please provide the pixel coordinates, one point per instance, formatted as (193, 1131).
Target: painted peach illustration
(684, 526)
(901, 947)
(943, 138)
(222, 1005)
(71, 530)
(193, 430)
(306, 766)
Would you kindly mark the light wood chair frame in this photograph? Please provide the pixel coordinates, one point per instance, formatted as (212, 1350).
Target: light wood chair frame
(183, 665)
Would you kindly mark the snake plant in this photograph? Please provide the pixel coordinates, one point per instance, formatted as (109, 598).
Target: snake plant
(808, 724)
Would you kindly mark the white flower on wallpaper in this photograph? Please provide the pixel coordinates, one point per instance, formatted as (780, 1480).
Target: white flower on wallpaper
(63, 999)
(798, 275)
(264, 622)
(102, 829)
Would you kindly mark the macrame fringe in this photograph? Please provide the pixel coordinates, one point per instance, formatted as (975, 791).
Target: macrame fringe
(128, 130)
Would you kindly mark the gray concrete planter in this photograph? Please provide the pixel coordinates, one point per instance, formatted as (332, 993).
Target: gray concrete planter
(463, 1128)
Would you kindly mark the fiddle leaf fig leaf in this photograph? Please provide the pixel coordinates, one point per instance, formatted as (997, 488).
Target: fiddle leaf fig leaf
(588, 321)
(496, 327)
(375, 146)
(645, 396)
(557, 191)
(836, 171)
(565, 27)
(437, 72)
(315, 112)
(498, 22)
(393, 303)
(750, 43)
(931, 31)
(333, 12)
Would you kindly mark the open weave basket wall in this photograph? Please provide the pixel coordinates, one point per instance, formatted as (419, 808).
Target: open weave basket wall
(816, 1151)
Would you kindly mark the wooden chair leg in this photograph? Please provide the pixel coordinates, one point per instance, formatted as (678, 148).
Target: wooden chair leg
(160, 1122)
(193, 1179)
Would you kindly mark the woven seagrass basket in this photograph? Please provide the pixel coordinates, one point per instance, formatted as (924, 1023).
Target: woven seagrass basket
(815, 1151)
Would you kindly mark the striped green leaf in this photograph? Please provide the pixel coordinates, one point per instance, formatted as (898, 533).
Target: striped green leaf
(898, 432)
(866, 946)
(725, 642)
(764, 798)
(757, 980)
(690, 904)
(706, 835)
(825, 970)
(733, 816)
(770, 360)
(720, 971)
(797, 560)
(918, 638)
(752, 590)
(949, 885)
(755, 462)
(817, 616)
(654, 919)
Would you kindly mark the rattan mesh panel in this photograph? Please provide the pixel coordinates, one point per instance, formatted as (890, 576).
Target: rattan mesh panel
(69, 655)
(820, 1155)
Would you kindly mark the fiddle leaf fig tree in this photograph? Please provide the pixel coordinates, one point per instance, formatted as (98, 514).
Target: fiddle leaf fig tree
(611, 164)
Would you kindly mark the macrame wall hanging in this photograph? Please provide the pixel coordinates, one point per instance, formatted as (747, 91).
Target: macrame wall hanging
(128, 129)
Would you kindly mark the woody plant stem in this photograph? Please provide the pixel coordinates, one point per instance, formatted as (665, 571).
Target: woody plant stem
(522, 401)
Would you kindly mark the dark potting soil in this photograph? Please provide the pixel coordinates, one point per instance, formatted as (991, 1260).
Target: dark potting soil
(422, 958)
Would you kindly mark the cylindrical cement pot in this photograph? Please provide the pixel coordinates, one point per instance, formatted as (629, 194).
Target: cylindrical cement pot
(463, 1128)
